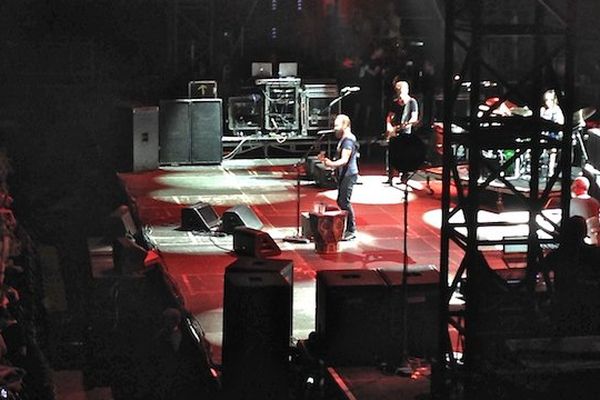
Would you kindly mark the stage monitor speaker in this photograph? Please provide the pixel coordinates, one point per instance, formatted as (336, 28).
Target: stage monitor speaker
(257, 315)
(324, 177)
(310, 165)
(174, 132)
(254, 243)
(351, 317)
(240, 216)
(199, 217)
(145, 138)
(128, 256)
(423, 304)
(206, 127)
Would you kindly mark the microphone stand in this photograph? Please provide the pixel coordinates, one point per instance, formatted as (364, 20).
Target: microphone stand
(334, 102)
(404, 368)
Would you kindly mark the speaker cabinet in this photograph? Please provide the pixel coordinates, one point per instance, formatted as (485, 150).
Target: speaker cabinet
(199, 217)
(351, 316)
(145, 138)
(257, 316)
(190, 131)
(240, 216)
(174, 132)
(285, 268)
(422, 309)
(207, 131)
(254, 243)
(135, 138)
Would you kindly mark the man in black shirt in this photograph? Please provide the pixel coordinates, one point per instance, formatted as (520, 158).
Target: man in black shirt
(346, 164)
(402, 115)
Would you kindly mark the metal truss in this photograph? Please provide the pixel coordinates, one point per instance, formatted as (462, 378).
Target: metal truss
(191, 33)
(478, 33)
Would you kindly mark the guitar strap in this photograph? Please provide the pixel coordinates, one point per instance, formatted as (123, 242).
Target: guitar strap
(404, 117)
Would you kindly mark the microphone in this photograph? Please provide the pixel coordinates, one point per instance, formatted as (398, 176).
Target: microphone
(326, 131)
(350, 89)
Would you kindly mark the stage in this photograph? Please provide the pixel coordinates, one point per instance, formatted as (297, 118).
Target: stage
(197, 261)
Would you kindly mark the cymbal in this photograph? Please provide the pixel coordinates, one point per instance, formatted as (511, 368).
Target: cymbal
(521, 111)
(583, 114)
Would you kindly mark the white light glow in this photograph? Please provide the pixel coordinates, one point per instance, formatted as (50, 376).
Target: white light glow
(374, 191)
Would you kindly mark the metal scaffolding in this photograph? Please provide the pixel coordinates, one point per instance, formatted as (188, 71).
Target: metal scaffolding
(477, 34)
(191, 33)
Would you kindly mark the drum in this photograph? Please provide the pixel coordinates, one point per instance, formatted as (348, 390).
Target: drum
(407, 152)
(328, 229)
(505, 157)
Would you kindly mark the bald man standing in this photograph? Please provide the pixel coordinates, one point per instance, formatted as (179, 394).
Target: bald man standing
(583, 205)
(346, 164)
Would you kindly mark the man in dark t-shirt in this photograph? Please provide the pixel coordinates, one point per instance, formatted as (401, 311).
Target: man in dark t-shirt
(402, 114)
(346, 164)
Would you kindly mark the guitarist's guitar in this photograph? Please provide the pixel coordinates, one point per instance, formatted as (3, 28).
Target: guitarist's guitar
(388, 134)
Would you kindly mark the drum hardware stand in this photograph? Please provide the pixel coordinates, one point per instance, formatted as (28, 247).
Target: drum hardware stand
(579, 141)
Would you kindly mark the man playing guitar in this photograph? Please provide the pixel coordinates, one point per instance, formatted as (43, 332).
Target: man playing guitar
(402, 115)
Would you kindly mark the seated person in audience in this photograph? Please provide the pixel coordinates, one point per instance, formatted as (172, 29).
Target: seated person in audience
(11, 378)
(583, 205)
(8, 226)
(576, 268)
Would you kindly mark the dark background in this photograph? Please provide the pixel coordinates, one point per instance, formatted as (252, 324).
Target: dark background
(71, 71)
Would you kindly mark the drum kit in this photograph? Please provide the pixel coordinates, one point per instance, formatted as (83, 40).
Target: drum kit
(521, 166)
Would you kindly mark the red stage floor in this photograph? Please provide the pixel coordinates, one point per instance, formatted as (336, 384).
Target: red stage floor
(197, 263)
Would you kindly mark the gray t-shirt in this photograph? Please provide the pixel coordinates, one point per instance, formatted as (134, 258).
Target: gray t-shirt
(403, 112)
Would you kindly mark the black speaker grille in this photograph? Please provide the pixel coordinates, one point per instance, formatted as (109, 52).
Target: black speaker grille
(207, 131)
(174, 132)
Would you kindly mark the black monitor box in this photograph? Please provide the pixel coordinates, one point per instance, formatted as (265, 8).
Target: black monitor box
(199, 217)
